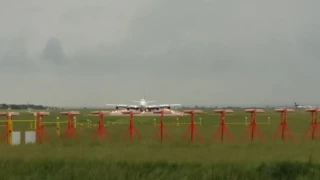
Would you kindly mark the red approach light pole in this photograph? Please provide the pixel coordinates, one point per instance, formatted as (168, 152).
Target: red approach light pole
(223, 126)
(5, 134)
(162, 129)
(101, 131)
(41, 133)
(313, 127)
(193, 128)
(284, 130)
(253, 129)
(132, 129)
(71, 131)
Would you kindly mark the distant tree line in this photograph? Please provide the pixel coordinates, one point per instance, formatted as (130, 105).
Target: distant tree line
(22, 106)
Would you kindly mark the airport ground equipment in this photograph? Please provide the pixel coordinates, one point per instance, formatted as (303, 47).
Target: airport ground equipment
(131, 129)
(41, 134)
(71, 131)
(253, 129)
(312, 131)
(193, 128)
(101, 132)
(284, 130)
(223, 128)
(162, 129)
(8, 135)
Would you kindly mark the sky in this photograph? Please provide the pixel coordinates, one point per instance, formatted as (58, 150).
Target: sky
(203, 52)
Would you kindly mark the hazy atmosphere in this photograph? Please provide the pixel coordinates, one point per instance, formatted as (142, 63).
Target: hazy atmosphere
(89, 53)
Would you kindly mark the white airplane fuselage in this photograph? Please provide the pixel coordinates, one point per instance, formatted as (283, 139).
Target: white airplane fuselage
(143, 105)
(302, 106)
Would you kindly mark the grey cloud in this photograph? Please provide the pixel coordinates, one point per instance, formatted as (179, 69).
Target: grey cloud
(53, 51)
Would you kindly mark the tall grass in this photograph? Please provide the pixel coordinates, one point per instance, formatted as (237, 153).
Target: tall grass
(104, 169)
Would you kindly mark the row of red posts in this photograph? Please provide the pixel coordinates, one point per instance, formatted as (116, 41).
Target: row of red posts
(283, 131)
(252, 130)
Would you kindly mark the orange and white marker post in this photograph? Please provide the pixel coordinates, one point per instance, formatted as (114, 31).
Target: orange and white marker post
(41, 133)
(253, 129)
(162, 129)
(131, 129)
(223, 126)
(193, 128)
(7, 134)
(284, 129)
(312, 130)
(102, 132)
(71, 131)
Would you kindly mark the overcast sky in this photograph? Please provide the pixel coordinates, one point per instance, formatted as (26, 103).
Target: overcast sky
(88, 53)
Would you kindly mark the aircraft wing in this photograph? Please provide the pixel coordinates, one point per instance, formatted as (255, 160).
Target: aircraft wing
(118, 105)
(168, 105)
(133, 107)
(172, 105)
(152, 107)
(151, 101)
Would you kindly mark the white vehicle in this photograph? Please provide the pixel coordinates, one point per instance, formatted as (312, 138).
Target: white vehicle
(143, 105)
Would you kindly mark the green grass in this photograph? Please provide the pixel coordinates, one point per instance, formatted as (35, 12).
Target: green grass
(84, 157)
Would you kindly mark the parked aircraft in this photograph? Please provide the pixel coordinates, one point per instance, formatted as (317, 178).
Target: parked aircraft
(301, 106)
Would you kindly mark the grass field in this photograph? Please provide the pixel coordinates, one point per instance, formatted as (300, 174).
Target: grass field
(84, 157)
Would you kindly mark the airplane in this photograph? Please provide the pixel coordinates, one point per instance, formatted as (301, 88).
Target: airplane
(143, 106)
(301, 106)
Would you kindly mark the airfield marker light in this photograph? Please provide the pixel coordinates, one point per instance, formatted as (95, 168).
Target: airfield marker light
(101, 131)
(88, 123)
(35, 121)
(177, 124)
(253, 129)
(131, 129)
(284, 129)
(7, 134)
(223, 126)
(313, 127)
(71, 131)
(75, 122)
(162, 129)
(9, 140)
(193, 128)
(41, 133)
(58, 127)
